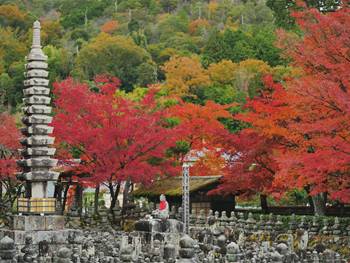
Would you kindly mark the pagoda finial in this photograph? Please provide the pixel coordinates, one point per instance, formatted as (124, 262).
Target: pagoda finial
(36, 35)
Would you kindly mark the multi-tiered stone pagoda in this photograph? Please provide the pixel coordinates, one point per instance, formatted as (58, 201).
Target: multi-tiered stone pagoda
(37, 154)
(36, 215)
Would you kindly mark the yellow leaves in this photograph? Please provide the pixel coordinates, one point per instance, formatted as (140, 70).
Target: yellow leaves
(283, 72)
(255, 66)
(12, 14)
(212, 7)
(248, 72)
(51, 30)
(223, 71)
(184, 74)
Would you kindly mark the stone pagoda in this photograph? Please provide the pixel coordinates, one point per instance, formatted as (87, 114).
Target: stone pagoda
(36, 215)
(37, 161)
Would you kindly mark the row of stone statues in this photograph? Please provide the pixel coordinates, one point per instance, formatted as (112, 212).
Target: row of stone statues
(97, 247)
(245, 221)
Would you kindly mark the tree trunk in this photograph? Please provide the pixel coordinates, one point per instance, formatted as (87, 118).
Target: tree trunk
(114, 195)
(126, 194)
(79, 198)
(97, 193)
(65, 194)
(0, 192)
(234, 202)
(263, 203)
(319, 205)
(114, 198)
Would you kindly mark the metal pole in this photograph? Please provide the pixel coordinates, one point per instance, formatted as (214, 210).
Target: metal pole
(186, 196)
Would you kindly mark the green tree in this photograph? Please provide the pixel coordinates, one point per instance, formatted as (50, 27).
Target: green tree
(5, 86)
(59, 63)
(282, 10)
(78, 12)
(118, 56)
(233, 45)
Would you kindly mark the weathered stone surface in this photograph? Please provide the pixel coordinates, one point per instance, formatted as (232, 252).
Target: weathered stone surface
(39, 176)
(37, 119)
(36, 82)
(36, 65)
(38, 162)
(36, 99)
(37, 151)
(38, 140)
(36, 73)
(57, 237)
(33, 223)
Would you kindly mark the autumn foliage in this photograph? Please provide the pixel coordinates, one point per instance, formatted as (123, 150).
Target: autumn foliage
(9, 145)
(304, 124)
(110, 26)
(115, 138)
(200, 125)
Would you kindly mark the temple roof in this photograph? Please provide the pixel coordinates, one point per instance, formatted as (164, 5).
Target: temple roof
(172, 186)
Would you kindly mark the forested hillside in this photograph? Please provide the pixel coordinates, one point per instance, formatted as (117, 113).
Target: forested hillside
(135, 39)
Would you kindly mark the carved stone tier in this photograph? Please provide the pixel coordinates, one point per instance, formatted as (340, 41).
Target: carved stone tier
(37, 100)
(37, 130)
(39, 176)
(36, 73)
(37, 119)
(39, 151)
(38, 162)
(39, 140)
(37, 90)
(36, 56)
(36, 65)
(36, 82)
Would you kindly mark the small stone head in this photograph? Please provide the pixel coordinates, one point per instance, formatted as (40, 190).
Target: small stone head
(162, 197)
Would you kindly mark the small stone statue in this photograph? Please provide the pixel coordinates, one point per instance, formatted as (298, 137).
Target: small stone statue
(7, 250)
(28, 250)
(64, 255)
(186, 251)
(163, 211)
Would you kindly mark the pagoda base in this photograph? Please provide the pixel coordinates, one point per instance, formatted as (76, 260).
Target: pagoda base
(49, 228)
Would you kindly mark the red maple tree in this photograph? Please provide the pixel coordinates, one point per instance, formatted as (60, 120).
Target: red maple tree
(320, 99)
(200, 124)
(201, 128)
(9, 146)
(306, 122)
(116, 139)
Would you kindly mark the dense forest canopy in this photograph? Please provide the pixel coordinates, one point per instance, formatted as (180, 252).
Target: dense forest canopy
(134, 39)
